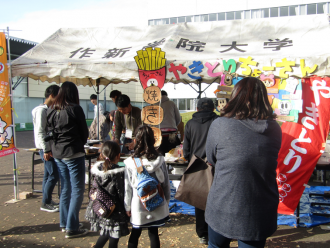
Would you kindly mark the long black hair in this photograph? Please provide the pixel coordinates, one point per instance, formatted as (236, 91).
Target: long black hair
(145, 141)
(67, 95)
(249, 100)
(109, 151)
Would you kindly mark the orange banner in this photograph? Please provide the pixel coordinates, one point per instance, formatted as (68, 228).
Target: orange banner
(7, 145)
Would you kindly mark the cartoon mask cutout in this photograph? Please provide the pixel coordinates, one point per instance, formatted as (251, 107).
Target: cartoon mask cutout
(291, 84)
(221, 104)
(152, 78)
(285, 107)
(228, 79)
(152, 67)
(268, 80)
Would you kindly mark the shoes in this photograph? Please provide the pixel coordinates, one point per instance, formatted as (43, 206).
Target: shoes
(81, 225)
(54, 203)
(204, 240)
(49, 208)
(76, 234)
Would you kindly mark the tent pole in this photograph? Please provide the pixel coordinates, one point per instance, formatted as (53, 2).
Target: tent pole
(13, 119)
(200, 89)
(98, 107)
(105, 99)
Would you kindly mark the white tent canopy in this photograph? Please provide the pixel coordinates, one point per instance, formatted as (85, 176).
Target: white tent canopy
(83, 55)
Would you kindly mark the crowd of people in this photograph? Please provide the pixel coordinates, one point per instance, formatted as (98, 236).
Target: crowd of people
(242, 145)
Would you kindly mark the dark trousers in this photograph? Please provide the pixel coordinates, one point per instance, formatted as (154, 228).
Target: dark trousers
(216, 240)
(201, 225)
(51, 177)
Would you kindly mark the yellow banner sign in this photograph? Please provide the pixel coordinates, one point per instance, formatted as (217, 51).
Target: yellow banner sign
(7, 145)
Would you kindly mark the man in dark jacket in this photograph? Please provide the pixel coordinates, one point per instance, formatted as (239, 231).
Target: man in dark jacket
(127, 118)
(195, 135)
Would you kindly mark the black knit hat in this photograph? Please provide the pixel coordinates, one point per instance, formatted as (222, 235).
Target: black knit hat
(205, 104)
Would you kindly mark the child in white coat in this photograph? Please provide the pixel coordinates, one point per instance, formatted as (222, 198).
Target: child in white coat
(155, 165)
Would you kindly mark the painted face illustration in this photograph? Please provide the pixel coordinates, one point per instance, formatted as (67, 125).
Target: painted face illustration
(285, 107)
(268, 80)
(221, 104)
(150, 78)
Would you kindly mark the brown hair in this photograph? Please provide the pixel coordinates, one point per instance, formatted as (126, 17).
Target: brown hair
(67, 95)
(145, 141)
(109, 151)
(249, 100)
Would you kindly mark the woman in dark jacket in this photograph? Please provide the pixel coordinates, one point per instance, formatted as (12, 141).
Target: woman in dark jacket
(66, 120)
(243, 147)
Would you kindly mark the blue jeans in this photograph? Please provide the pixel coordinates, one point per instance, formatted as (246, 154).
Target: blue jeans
(216, 240)
(72, 174)
(50, 178)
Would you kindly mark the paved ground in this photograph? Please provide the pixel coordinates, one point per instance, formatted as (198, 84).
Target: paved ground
(24, 225)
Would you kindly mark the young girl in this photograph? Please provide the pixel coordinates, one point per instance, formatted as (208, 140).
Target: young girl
(111, 177)
(154, 163)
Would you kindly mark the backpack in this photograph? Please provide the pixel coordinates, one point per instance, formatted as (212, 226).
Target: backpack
(149, 189)
(103, 204)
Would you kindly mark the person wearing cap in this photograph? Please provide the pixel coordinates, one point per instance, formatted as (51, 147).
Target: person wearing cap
(168, 126)
(195, 135)
(93, 99)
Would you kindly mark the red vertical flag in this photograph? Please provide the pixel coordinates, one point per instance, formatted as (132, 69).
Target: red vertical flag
(303, 143)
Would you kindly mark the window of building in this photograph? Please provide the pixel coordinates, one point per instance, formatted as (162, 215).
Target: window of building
(181, 19)
(175, 101)
(274, 12)
(165, 21)
(22, 89)
(293, 10)
(238, 15)
(311, 9)
(255, 13)
(204, 18)
(189, 18)
(191, 104)
(157, 22)
(221, 16)
(173, 20)
(247, 14)
(321, 8)
(302, 9)
(284, 11)
(182, 104)
(230, 15)
(151, 22)
(212, 17)
(265, 13)
(197, 18)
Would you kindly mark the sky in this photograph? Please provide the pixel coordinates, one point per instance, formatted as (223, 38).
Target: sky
(36, 20)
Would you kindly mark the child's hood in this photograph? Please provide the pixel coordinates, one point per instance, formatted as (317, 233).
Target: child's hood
(97, 170)
(153, 166)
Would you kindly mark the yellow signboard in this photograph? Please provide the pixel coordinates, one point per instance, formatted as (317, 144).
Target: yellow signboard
(7, 145)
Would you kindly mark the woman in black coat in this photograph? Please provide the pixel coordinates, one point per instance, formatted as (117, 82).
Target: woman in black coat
(66, 121)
